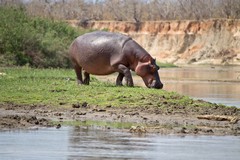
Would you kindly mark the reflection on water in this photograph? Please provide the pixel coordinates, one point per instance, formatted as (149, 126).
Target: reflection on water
(94, 143)
(217, 85)
(213, 84)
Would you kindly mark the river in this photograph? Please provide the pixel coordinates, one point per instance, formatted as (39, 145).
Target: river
(68, 143)
(214, 84)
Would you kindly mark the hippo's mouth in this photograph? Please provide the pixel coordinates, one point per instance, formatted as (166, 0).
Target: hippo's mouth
(155, 84)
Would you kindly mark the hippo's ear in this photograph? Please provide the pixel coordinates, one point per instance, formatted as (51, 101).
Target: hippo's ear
(154, 65)
(153, 68)
(153, 61)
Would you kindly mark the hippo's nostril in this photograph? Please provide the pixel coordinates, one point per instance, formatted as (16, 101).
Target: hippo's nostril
(161, 86)
(158, 86)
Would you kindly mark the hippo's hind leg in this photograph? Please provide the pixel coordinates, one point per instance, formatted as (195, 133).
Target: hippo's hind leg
(86, 78)
(80, 80)
(78, 70)
(119, 79)
(127, 74)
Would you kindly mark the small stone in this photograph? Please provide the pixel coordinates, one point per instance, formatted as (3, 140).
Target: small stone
(81, 113)
(145, 118)
(76, 105)
(184, 130)
(100, 110)
(58, 114)
(138, 129)
(209, 131)
(85, 104)
(58, 126)
(195, 131)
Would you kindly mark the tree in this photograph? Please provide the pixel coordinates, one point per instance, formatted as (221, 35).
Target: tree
(131, 10)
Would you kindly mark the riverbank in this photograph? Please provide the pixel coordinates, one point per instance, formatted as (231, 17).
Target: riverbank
(211, 41)
(51, 97)
(149, 119)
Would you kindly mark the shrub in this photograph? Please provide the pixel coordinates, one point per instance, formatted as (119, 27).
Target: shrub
(33, 41)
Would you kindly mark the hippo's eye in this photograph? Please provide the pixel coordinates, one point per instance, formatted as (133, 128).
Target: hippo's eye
(153, 68)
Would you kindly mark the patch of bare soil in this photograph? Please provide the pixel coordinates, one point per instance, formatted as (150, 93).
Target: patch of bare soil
(18, 117)
(173, 120)
(21, 122)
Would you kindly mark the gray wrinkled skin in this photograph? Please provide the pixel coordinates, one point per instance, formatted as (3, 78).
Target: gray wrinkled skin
(103, 53)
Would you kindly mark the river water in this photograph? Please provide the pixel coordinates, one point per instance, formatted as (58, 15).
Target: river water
(214, 84)
(69, 143)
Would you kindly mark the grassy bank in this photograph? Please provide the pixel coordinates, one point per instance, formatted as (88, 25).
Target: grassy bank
(29, 94)
(57, 87)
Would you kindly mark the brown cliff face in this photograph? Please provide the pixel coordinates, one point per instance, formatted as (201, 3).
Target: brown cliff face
(215, 41)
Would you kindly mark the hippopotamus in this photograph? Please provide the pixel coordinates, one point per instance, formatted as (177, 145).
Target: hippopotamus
(103, 53)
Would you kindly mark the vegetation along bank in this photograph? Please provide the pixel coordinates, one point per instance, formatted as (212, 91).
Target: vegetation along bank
(44, 97)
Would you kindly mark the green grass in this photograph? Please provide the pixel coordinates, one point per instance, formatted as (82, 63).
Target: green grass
(166, 65)
(119, 125)
(56, 87)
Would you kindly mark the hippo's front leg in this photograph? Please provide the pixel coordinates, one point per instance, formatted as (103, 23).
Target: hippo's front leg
(126, 72)
(119, 79)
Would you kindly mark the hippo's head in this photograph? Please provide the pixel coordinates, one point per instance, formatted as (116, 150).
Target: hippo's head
(149, 73)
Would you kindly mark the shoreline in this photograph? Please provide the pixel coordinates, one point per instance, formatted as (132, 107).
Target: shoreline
(141, 120)
(48, 97)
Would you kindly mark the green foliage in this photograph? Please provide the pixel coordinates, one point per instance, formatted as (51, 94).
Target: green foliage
(37, 42)
(166, 65)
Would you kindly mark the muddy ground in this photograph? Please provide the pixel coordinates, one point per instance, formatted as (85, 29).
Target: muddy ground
(199, 121)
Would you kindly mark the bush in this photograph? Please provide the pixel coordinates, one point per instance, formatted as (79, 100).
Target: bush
(37, 42)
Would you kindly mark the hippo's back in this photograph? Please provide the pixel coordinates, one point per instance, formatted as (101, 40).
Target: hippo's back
(103, 39)
(97, 50)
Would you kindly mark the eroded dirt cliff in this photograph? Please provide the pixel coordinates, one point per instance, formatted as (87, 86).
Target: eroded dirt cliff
(215, 41)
